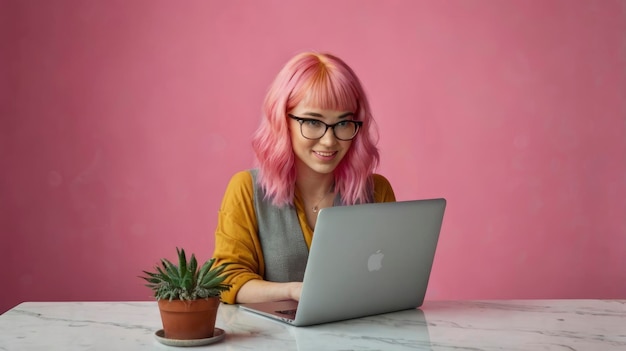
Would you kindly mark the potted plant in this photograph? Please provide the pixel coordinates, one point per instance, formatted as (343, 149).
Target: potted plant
(188, 296)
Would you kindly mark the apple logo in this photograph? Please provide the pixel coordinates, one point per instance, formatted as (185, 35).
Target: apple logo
(375, 261)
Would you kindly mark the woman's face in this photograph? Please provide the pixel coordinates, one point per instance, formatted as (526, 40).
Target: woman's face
(319, 155)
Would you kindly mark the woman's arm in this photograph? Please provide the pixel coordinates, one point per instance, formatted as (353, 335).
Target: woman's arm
(257, 290)
(383, 192)
(236, 239)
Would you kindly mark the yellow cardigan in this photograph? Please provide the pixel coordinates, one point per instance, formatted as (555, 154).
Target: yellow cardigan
(236, 238)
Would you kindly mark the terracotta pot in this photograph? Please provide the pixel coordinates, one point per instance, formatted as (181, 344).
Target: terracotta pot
(186, 320)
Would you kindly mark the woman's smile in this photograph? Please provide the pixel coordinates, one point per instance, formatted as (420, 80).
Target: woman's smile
(325, 155)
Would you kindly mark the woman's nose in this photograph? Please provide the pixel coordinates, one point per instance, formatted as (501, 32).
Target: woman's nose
(328, 138)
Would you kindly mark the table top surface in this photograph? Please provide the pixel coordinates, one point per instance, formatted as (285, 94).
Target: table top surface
(438, 325)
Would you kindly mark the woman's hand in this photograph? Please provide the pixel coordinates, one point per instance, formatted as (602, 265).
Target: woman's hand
(296, 290)
(257, 290)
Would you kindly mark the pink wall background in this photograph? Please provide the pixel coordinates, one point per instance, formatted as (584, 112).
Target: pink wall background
(122, 121)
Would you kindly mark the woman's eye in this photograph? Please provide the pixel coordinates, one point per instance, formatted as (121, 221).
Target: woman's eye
(312, 123)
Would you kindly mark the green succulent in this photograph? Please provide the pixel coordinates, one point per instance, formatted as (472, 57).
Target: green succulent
(186, 281)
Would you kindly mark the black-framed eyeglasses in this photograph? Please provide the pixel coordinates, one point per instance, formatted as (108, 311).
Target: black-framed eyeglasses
(314, 129)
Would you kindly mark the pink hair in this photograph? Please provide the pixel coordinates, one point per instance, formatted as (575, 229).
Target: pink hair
(326, 82)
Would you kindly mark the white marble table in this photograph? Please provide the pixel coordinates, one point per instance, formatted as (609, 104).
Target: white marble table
(598, 325)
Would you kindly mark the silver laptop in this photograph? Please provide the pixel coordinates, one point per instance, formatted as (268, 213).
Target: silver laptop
(364, 260)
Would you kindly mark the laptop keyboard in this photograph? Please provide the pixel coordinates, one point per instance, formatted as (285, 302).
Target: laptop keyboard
(287, 312)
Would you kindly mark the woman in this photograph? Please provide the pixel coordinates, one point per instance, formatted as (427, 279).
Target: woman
(315, 148)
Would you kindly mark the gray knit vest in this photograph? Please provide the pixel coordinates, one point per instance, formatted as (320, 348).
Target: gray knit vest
(282, 240)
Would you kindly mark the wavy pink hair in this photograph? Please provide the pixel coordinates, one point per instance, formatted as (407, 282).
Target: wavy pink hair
(326, 82)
